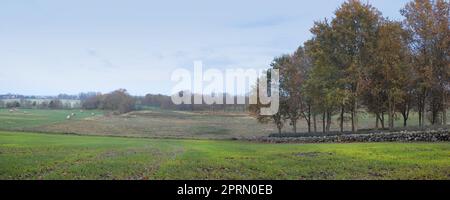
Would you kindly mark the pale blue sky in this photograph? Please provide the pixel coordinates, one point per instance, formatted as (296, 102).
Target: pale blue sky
(49, 47)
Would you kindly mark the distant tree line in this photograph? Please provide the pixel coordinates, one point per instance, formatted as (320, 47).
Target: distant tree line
(120, 101)
(165, 102)
(44, 104)
(361, 60)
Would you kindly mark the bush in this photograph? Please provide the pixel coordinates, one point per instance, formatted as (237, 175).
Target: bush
(14, 104)
(55, 104)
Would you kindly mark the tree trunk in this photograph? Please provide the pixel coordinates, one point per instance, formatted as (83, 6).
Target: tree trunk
(309, 118)
(421, 107)
(328, 121)
(353, 121)
(315, 123)
(434, 113)
(444, 108)
(355, 117)
(294, 125)
(382, 120)
(390, 114)
(341, 125)
(324, 114)
(420, 116)
(405, 119)
(405, 113)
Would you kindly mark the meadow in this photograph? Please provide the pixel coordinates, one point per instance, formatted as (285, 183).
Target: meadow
(54, 156)
(166, 144)
(23, 119)
(158, 123)
(153, 123)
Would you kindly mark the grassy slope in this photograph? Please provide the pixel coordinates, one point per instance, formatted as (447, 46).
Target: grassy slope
(45, 156)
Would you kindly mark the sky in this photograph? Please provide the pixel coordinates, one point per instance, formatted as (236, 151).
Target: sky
(48, 47)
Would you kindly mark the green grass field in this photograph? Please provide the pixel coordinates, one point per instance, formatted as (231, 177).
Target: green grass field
(142, 152)
(49, 156)
(29, 118)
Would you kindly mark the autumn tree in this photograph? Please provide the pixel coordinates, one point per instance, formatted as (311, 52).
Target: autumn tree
(355, 26)
(289, 90)
(390, 67)
(302, 64)
(428, 22)
(293, 69)
(118, 100)
(324, 84)
(278, 119)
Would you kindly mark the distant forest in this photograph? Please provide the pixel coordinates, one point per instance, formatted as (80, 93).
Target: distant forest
(119, 101)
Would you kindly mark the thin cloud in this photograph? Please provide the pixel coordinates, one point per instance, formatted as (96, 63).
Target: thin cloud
(107, 63)
(262, 23)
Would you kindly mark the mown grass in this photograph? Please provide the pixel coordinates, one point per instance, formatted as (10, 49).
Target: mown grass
(47, 156)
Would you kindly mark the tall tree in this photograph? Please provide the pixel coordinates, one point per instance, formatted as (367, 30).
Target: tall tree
(355, 27)
(301, 66)
(441, 52)
(290, 81)
(303, 63)
(428, 22)
(324, 83)
(391, 60)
